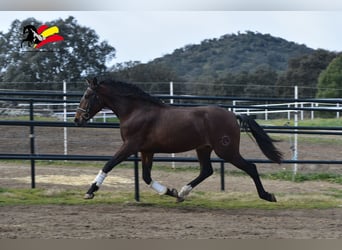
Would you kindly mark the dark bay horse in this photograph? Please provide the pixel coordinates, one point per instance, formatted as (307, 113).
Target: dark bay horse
(149, 126)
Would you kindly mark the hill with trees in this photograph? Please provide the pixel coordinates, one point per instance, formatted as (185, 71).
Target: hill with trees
(230, 54)
(243, 64)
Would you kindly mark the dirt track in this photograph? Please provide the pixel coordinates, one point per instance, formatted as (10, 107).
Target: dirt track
(137, 222)
(144, 221)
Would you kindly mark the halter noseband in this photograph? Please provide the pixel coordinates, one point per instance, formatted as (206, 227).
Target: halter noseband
(85, 112)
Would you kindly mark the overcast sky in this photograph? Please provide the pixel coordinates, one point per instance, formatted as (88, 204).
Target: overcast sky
(140, 35)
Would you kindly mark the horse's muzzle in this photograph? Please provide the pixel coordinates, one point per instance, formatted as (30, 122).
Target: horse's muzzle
(79, 121)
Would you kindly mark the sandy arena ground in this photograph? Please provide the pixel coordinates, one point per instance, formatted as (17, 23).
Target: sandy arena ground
(143, 221)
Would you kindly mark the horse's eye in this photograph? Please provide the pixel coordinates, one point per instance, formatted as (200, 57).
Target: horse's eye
(88, 95)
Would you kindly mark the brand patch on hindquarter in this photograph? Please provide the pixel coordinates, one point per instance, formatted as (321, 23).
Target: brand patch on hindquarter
(225, 140)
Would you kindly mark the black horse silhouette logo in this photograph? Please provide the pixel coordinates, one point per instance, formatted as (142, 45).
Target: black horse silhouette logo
(32, 37)
(37, 38)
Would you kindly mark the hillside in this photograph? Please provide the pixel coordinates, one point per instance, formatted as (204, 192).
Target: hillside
(232, 53)
(240, 64)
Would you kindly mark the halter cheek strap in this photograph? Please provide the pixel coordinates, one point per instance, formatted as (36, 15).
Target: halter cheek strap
(81, 109)
(86, 111)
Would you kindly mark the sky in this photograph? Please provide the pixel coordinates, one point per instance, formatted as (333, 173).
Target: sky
(143, 35)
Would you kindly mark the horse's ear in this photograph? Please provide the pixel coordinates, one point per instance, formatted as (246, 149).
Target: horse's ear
(95, 81)
(93, 84)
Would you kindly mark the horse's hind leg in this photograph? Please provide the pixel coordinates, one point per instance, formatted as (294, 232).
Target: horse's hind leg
(203, 155)
(146, 159)
(252, 171)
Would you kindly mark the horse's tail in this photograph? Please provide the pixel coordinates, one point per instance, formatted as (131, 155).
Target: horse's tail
(264, 142)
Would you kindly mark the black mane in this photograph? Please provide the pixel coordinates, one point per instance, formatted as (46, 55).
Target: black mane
(131, 90)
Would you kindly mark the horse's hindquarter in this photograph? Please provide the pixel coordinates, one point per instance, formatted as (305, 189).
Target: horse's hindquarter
(224, 129)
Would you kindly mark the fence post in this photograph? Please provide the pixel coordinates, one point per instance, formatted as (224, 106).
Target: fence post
(338, 112)
(136, 178)
(295, 143)
(302, 112)
(171, 102)
(65, 118)
(32, 151)
(266, 112)
(222, 176)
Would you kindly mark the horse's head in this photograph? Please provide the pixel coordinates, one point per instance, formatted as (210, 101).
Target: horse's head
(89, 105)
(29, 29)
(32, 35)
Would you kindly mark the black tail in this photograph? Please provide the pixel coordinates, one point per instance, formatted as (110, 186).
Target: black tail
(263, 140)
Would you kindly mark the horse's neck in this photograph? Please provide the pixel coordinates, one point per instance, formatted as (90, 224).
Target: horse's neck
(125, 107)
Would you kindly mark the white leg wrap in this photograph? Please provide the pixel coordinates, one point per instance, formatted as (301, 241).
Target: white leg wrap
(185, 191)
(100, 178)
(159, 188)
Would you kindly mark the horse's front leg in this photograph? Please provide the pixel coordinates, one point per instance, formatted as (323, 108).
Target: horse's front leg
(146, 160)
(122, 154)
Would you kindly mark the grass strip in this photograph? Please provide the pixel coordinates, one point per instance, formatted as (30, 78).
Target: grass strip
(197, 199)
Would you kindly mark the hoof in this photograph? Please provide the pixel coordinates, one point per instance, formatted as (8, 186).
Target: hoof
(269, 197)
(89, 196)
(272, 198)
(180, 199)
(90, 193)
(173, 192)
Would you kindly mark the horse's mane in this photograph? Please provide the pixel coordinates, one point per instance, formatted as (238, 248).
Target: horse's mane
(131, 90)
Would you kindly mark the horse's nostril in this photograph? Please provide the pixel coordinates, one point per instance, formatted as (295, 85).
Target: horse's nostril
(77, 121)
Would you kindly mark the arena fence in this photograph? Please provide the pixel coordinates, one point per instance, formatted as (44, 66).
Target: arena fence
(255, 106)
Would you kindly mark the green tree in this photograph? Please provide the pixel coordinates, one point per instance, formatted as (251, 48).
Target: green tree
(303, 71)
(253, 84)
(261, 83)
(330, 80)
(80, 54)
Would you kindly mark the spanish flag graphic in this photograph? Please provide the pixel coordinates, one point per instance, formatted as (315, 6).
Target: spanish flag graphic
(49, 35)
